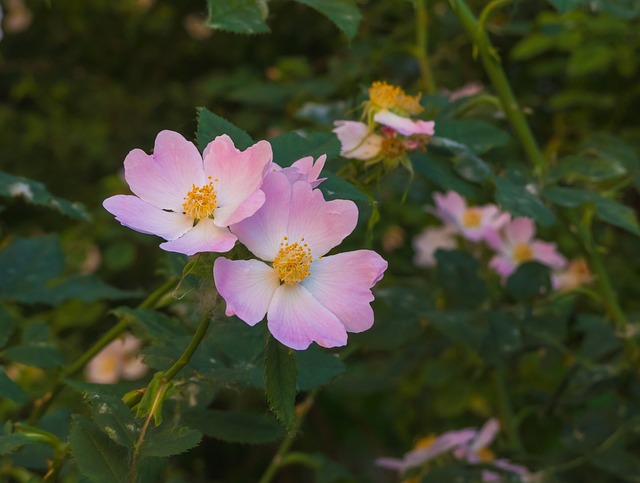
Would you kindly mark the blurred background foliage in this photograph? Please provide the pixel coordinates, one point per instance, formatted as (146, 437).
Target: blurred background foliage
(82, 83)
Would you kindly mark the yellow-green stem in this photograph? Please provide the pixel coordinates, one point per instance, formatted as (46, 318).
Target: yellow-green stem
(427, 79)
(507, 418)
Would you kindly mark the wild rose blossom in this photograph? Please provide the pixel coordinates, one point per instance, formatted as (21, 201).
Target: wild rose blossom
(306, 296)
(475, 223)
(516, 245)
(188, 199)
(118, 360)
(431, 240)
(469, 445)
(357, 141)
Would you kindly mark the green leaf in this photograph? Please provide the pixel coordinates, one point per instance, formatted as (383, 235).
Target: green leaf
(462, 326)
(567, 197)
(335, 187)
(502, 338)
(589, 58)
(97, 456)
(616, 461)
(529, 280)
(478, 136)
(211, 126)
(343, 13)
(440, 172)
(236, 427)
(153, 399)
(11, 390)
(155, 324)
(316, 367)
(238, 16)
(293, 146)
(466, 163)
(36, 193)
(519, 202)
(564, 6)
(280, 381)
(599, 337)
(167, 442)
(41, 355)
(585, 168)
(617, 214)
(115, 419)
(457, 275)
(532, 45)
(7, 327)
(11, 442)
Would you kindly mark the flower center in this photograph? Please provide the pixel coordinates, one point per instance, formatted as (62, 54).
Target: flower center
(201, 201)
(293, 261)
(392, 147)
(522, 253)
(472, 218)
(383, 95)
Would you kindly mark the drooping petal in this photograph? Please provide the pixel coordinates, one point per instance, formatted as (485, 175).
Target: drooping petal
(247, 286)
(520, 230)
(296, 319)
(322, 224)
(236, 175)
(547, 253)
(404, 125)
(204, 237)
(502, 265)
(356, 141)
(138, 215)
(342, 283)
(263, 232)
(310, 169)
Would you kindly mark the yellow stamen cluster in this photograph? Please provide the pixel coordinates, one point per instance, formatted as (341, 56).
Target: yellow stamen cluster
(522, 253)
(293, 261)
(386, 96)
(392, 147)
(472, 218)
(485, 454)
(201, 201)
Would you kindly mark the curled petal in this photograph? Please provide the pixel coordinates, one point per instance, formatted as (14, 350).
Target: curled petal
(204, 237)
(404, 125)
(310, 169)
(449, 206)
(356, 140)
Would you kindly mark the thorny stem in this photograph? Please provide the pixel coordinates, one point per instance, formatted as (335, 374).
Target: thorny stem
(500, 82)
(41, 406)
(280, 460)
(427, 79)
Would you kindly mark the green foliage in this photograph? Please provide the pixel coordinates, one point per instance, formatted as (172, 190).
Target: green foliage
(530, 279)
(343, 13)
(457, 269)
(11, 390)
(238, 16)
(316, 367)
(164, 442)
(237, 427)
(211, 126)
(517, 200)
(280, 381)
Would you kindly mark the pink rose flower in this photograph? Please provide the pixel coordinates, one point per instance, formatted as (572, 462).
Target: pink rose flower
(188, 199)
(356, 140)
(516, 245)
(404, 125)
(118, 360)
(429, 241)
(475, 223)
(306, 296)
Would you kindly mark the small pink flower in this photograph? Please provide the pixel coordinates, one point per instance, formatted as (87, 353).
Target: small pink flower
(429, 241)
(306, 296)
(475, 223)
(516, 245)
(575, 274)
(117, 360)
(404, 125)
(188, 199)
(356, 140)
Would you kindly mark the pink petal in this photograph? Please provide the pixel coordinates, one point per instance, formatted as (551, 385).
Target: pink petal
(138, 215)
(404, 125)
(429, 241)
(449, 206)
(247, 208)
(342, 283)
(390, 463)
(263, 232)
(297, 319)
(204, 237)
(322, 224)
(502, 265)
(547, 253)
(356, 141)
(485, 436)
(165, 178)
(520, 230)
(247, 286)
(444, 443)
(239, 174)
(307, 166)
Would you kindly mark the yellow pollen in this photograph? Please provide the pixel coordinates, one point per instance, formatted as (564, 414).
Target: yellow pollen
(472, 218)
(293, 261)
(383, 95)
(485, 454)
(410, 104)
(522, 253)
(201, 201)
(392, 147)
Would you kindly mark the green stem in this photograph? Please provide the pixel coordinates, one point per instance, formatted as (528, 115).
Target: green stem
(427, 79)
(279, 460)
(188, 352)
(506, 412)
(500, 83)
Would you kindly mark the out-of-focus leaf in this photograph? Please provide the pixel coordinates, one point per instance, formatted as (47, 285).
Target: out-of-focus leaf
(532, 45)
(238, 16)
(585, 168)
(599, 336)
(503, 337)
(589, 58)
(529, 279)
(211, 126)
(36, 193)
(618, 462)
(40, 355)
(293, 146)
(236, 427)
(457, 275)
(280, 381)
(156, 324)
(11, 442)
(441, 173)
(519, 202)
(466, 163)
(167, 442)
(11, 390)
(465, 327)
(343, 13)
(479, 136)
(6, 326)
(316, 367)
(334, 187)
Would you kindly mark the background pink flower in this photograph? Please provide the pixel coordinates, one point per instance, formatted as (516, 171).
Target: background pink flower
(306, 296)
(356, 140)
(429, 241)
(188, 199)
(118, 360)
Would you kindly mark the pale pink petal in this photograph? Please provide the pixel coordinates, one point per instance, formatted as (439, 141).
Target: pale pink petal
(444, 443)
(312, 170)
(520, 230)
(485, 436)
(247, 208)
(204, 237)
(404, 125)
(138, 215)
(390, 463)
(431, 240)
(342, 283)
(263, 232)
(502, 265)
(247, 286)
(236, 176)
(547, 253)
(356, 141)
(322, 224)
(166, 178)
(129, 343)
(495, 240)
(296, 319)
(449, 206)
(133, 368)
